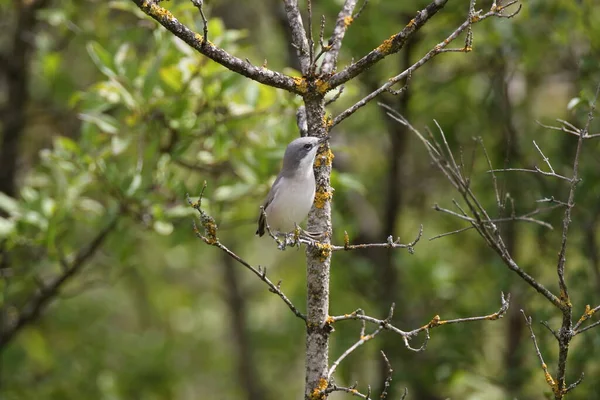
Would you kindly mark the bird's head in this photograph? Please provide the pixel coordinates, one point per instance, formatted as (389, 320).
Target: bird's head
(300, 154)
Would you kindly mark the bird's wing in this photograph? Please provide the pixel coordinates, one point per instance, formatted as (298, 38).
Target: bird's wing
(262, 222)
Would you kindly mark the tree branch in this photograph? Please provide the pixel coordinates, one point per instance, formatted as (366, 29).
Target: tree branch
(442, 157)
(434, 323)
(344, 19)
(299, 40)
(210, 237)
(438, 49)
(390, 46)
(196, 41)
(48, 292)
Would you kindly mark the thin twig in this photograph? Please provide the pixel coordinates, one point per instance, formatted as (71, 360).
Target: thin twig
(356, 68)
(199, 6)
(524, 218)
(479, 218)
(390, 244)
(331, 51)
(536, 170)
(210, 237)
(49, 291)
(434, 323)
(388, 378)
(451, 233)
(551, 382)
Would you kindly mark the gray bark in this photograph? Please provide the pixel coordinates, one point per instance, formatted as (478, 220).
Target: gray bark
(318, 262)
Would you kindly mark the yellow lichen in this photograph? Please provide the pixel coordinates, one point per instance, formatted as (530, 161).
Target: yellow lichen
(322, 197)
(158, 11)
(410, 23)
(325, 158)
(588, 313)
(386, 46)
(317, 393)
(329, 320)
(322, 86)
(324, 250)
(301, 84)
(493, 317)
(435, 322)
(467, 49)
(564, 298)
(348, 21)
(199, 38)
(474, 18)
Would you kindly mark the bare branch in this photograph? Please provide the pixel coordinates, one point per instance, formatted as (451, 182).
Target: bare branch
(595, 324)
(49, 291)
(450, 233)
(301, 121)
(479, 218)
(355, 68)
(536, 170)
(589, 312)
(299, 39)
(196, 41)
(575, 384)
(362, 340)
(343, 21)
(210, 237)
(434, 323)
(494, 181)
(524, 218)
(567, 215)
(551, 382)
(388, 378)
(389, 46)
(390, 244)
(199, 6)
(552, 331)
(336, 96)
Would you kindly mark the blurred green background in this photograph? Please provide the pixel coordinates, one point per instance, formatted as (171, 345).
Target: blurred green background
(119, 120)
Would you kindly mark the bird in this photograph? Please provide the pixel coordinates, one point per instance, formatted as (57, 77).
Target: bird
(293, 192)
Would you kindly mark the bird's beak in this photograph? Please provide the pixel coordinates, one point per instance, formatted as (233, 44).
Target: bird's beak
(324, 139)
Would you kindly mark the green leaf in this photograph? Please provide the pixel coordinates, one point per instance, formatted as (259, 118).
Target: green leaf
(66, 144)
(105, 122)
(101, 58)
(125, 95)
(120, 58)
(232, 192)
(171, 76)
(574, 102)
(7, 226)
(135, 185)
(163, 227)
(8, 204)
(48, 206)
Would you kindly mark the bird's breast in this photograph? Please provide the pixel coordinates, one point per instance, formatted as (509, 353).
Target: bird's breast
(291, 203)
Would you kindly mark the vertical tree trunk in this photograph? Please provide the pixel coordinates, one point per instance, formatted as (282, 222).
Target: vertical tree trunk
(318, 261)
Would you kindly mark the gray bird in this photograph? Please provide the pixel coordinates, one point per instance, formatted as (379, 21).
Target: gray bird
(293, 192)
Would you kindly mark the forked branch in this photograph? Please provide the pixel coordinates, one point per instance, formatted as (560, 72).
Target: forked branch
(196, 41)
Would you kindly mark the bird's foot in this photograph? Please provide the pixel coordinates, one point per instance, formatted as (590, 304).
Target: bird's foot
(310, 237)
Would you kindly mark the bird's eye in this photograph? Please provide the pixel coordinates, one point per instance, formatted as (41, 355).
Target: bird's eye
(308, 146)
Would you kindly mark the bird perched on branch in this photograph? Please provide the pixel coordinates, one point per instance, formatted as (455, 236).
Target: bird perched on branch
(293, 192)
